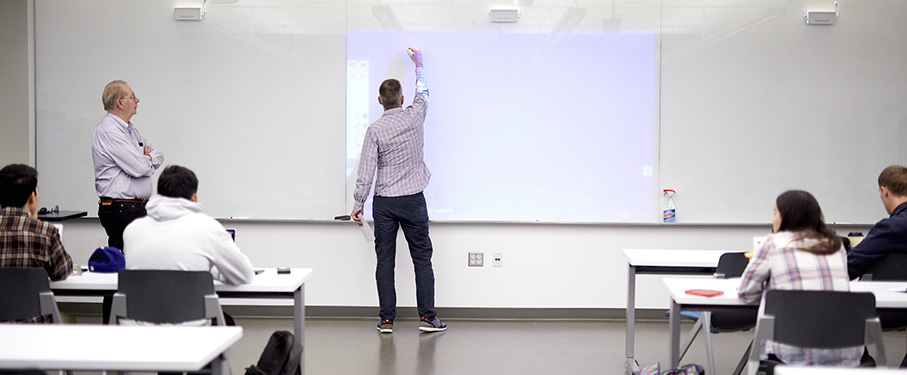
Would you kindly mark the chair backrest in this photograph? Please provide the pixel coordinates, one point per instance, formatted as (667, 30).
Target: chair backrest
(731, 265)
(25, 293)
(165, 296)
(892, 267)
(820, 319)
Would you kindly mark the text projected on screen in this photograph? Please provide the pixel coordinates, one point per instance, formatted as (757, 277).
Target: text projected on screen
(521, 126)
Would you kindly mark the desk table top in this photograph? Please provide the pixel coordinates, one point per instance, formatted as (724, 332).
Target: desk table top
(61, 215)
(792, 370)
(889, 294)
(267, 281)
(673, 257)
(92, 347)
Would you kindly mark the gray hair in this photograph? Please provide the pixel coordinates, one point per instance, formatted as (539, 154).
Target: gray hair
(113, 91)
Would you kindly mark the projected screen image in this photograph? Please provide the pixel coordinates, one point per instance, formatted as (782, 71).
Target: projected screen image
(521, 127)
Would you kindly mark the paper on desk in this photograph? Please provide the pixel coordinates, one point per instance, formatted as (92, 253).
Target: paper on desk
(367, 231)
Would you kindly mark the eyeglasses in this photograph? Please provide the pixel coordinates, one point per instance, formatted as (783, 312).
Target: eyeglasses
(128, 97)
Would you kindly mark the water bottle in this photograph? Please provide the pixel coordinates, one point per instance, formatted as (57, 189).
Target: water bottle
(669, 213)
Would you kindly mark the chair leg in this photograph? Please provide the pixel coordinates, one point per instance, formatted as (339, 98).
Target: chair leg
(874, 335)
(742, 363)
(904, 362)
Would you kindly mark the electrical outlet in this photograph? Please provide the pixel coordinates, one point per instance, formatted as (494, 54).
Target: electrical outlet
(477, 259)
(497, 259)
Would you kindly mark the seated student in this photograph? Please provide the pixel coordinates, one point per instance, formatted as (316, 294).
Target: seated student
(802, 253)
(176, 235)
(889, 235)
(26, 241)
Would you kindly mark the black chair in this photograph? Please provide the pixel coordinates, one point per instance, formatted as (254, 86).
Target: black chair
(164, 296)
(25, 294)
(892, 267)
(722, 319)
(817, 319)
(150, 297)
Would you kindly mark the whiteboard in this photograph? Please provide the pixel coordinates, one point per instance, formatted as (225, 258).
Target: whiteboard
(257, 115)
(752, 102)
(259, 111)
(766, 104)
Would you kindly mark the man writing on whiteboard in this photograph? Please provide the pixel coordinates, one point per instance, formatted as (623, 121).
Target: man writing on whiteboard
(393, 145)
(124, 162)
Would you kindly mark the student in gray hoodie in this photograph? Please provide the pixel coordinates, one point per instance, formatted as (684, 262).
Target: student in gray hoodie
(176, 235)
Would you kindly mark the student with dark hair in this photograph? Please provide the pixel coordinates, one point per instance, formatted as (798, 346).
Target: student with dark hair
(176, 235)
(26, 241)
(889, 235)
(802, 253)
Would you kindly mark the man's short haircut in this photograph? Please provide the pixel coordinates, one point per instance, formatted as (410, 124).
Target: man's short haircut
(390, 92)
(894, 178)
(113, 91)
(177, 182)
(17, 182)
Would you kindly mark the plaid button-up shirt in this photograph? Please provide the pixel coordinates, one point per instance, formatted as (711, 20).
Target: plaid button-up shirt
(29, 242)
(393, 145)
(782, 263)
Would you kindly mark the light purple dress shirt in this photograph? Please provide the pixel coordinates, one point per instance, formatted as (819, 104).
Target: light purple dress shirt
(393, 145)
(121, 170)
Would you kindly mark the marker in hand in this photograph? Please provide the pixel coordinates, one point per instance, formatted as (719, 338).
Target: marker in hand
(366, 230)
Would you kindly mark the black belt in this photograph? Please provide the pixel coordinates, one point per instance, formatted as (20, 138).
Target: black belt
(108, 201)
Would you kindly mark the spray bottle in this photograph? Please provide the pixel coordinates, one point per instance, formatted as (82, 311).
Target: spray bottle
(669, 213)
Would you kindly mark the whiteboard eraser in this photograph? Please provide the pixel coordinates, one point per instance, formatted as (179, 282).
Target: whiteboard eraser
(188, 13)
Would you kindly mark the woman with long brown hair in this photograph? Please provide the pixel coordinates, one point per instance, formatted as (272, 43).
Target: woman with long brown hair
(802, 253)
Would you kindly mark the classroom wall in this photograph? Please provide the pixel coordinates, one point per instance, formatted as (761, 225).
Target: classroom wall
(544, 265)
(16, 134)
(751, 101)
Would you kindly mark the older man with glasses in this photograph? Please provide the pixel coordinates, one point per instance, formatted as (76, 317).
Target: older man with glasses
(124, 163)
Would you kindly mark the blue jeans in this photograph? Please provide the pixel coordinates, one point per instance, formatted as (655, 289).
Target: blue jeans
(410, 213)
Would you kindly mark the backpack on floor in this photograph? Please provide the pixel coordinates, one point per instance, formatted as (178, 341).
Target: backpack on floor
(280, 357)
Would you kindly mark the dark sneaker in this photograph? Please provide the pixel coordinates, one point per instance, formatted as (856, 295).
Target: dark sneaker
(386, 326)
(432, 325)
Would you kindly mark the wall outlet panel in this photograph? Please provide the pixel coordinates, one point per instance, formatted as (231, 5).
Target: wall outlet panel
(476, 260)
(497, 258)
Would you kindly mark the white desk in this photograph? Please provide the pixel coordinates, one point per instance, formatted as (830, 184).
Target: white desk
(269, 284)
(85, 347)
(791, 370)
(884, 291)
(660, 262)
